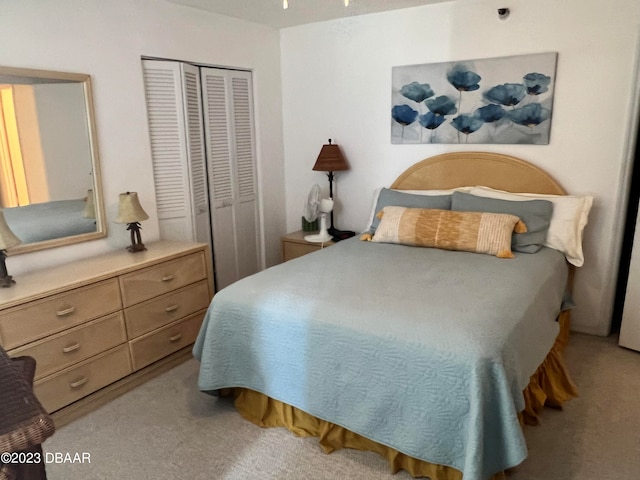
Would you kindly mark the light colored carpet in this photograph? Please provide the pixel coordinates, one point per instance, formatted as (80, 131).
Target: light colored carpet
(166, 429)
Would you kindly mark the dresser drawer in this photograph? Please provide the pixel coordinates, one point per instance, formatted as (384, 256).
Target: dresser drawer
(157, 312)
(153, 346)
(74, 345)
(40, 318)
(71, 384)
(153, 281)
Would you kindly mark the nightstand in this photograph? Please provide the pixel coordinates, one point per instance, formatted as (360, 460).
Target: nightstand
(294, 245)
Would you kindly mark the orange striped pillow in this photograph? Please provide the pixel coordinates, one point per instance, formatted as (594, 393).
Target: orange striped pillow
(478, 232)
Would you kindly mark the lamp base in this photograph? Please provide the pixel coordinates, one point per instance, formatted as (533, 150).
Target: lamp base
(136, 247)
(340, 234)
(6, 280)
(136, 238)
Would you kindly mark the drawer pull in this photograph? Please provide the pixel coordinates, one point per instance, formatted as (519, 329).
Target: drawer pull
(71, 348)
(66, 311)
(175, 338)
(167, 278)
(78, 383)
(171, 308)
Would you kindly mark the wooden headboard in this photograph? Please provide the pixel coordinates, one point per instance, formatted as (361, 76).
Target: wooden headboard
(461, 169)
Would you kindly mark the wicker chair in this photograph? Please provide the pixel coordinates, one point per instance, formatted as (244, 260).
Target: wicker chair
(24, 424)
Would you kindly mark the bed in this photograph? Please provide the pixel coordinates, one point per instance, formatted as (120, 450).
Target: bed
(431, 357)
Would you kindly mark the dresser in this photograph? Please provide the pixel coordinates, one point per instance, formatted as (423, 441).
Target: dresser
(294, 245)
(101, 326)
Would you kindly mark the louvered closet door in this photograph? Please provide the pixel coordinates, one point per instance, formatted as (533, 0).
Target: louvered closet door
(229, 134)
(174, 110)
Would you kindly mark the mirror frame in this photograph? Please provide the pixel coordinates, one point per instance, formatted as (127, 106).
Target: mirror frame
(101, 223)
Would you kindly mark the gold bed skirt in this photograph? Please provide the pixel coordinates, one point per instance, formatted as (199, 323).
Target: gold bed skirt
(549, 385)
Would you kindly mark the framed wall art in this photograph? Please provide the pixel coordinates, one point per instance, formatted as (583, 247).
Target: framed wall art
(506, 100)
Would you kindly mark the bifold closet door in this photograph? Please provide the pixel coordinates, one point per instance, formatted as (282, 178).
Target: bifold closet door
(174, 111)
(204, 161)
(231, 166)
(630, 328)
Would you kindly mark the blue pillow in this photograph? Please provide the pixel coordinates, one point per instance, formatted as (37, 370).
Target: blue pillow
(393, 198)
(536, 215)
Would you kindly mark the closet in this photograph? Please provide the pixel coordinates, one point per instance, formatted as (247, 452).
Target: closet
(626, 313)
(201, 129)
(630, 328)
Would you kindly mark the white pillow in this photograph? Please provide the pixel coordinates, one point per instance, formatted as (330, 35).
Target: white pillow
(372, 209)
(376, 192)
(570, 216)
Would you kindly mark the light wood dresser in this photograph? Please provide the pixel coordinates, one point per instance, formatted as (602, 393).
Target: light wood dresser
(101, 326)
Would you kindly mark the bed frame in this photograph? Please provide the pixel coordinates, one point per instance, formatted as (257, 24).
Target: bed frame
(550, 385)
(461, 169)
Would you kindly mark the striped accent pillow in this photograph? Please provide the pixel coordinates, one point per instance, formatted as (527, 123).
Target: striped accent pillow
(478, 232)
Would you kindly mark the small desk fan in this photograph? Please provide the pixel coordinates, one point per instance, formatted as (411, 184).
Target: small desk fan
(315, 207)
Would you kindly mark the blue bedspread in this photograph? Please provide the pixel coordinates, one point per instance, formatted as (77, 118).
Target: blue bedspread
(49, 220)
(423, 350)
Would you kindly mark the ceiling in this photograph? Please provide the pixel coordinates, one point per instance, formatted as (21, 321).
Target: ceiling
(270, 12)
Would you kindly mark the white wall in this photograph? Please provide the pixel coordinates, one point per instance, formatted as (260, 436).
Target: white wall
(336, 82)
(106, 40)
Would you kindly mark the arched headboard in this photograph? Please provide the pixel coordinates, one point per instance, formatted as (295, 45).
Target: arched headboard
(461, 169)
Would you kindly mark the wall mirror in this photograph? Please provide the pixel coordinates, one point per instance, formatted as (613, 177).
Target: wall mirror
(50, 189)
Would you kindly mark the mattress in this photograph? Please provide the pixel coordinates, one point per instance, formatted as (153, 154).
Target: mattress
(423, 350)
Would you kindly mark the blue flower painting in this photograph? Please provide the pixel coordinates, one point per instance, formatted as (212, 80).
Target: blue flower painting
(417, 92)
(508, 94)
(536, 83)
(442, 105)
(507, 100)
(530, 115)
(404, 114)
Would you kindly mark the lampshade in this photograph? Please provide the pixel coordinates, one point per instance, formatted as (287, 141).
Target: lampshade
(129, 209)
(330, 159)
(7, 237)
(90, 206)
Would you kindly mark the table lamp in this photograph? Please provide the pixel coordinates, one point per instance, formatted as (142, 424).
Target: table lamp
(331, 160)
(7, 240)
(90, 205)
(131, 212)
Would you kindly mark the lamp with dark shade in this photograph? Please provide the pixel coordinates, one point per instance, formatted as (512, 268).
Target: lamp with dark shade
(7, 240)
(331, 160)
(131, 212)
